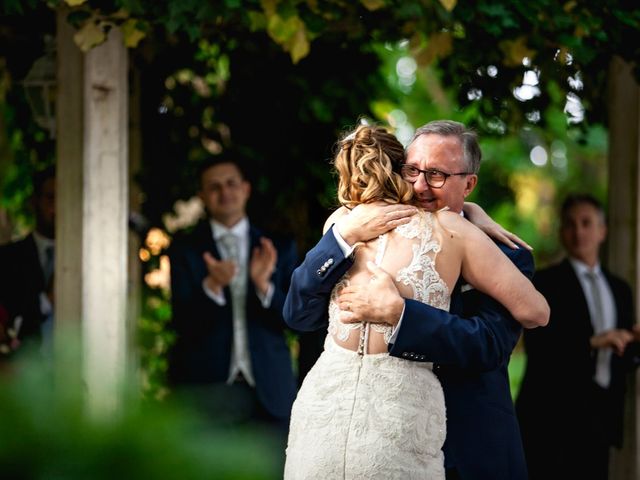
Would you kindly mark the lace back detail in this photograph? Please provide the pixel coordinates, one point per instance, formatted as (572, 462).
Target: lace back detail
(419, 275)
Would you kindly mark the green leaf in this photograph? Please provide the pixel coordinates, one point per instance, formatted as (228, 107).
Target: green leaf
(449, 5)
(90, 35)
(373, 5)
(132, 35)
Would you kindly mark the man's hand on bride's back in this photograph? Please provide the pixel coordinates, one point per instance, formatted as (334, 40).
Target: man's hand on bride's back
(367, 221)
(376, 302)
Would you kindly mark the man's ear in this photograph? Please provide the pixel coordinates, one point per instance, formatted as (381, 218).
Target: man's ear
(471, 182)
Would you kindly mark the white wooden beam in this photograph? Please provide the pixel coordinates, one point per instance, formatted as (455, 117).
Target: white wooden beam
(105, 225)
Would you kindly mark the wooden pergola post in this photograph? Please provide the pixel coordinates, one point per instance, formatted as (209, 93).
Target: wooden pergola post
(623, 214)
(93, 206)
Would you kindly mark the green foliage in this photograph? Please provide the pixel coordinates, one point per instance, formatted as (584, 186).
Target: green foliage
(47, 434)
(556, 39)
(517, 365)
(153, 340)
(25, 149)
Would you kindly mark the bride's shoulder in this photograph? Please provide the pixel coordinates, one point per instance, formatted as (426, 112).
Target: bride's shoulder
(455, 224)
(334, 217)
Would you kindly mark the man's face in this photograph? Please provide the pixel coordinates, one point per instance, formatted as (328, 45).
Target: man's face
(224, 193)
(582, 232)
(442, 153)
(45, 208)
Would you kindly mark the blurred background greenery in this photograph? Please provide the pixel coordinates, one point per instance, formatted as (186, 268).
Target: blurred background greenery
(279, 81)
(46, 433)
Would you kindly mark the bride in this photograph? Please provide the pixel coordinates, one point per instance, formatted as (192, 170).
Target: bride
(361, 413)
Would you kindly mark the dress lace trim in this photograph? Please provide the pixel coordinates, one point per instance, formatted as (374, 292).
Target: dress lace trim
(420, 275)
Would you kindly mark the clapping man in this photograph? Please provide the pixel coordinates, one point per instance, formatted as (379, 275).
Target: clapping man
(228, 283)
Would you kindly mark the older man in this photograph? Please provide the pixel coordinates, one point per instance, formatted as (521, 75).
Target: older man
(470, 346)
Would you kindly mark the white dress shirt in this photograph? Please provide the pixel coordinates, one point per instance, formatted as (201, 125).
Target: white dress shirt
(46, 327)
(600, 322)
(240, 356)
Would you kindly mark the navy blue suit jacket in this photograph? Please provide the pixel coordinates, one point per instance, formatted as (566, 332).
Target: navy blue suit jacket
(470, 347)
(559, 375)
(202, 352)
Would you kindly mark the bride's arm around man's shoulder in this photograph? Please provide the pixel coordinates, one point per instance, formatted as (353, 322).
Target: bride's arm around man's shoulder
(489, 270)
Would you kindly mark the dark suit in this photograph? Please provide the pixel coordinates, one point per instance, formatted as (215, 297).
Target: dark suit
(202, 352)
(567, 420)
(471, 353)
(21, 283)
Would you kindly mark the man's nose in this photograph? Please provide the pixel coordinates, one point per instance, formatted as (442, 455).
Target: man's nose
(421, 184)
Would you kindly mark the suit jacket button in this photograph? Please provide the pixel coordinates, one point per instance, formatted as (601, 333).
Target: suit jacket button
(330, 261)
(405, 354)
(319, 272)
(422, 357)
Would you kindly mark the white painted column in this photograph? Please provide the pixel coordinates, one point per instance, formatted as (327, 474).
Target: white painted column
(105, 214)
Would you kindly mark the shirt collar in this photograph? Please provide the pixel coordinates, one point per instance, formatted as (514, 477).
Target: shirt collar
(582, 268)
(42, 242)
(240, 229)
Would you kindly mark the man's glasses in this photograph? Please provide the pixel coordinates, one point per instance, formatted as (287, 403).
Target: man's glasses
(435, 178)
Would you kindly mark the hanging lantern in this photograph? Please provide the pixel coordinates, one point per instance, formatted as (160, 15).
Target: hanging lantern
(40, 88)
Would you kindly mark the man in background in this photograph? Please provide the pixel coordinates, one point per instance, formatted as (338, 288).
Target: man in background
(27, 278)
(228, 282)
(571, 402)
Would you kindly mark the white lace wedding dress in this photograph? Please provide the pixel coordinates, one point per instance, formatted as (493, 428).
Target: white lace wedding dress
(373, 416)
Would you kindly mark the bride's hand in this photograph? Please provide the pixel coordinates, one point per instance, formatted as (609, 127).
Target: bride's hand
(476, 215)
(377, 302)
(367, 221)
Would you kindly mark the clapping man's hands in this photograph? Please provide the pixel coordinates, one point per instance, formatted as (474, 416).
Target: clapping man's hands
(377, 302)
(220, 272)
(263, 263)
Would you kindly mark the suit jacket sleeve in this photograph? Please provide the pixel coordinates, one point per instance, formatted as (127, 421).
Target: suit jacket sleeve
(307, 302)
(481, 338)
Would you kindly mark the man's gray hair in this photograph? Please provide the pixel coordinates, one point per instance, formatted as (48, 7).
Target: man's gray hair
(468, 139)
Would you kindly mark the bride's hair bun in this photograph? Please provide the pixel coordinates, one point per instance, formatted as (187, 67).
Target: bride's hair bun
(368, 163)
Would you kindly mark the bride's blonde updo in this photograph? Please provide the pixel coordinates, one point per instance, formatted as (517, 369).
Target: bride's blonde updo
(368, 164)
